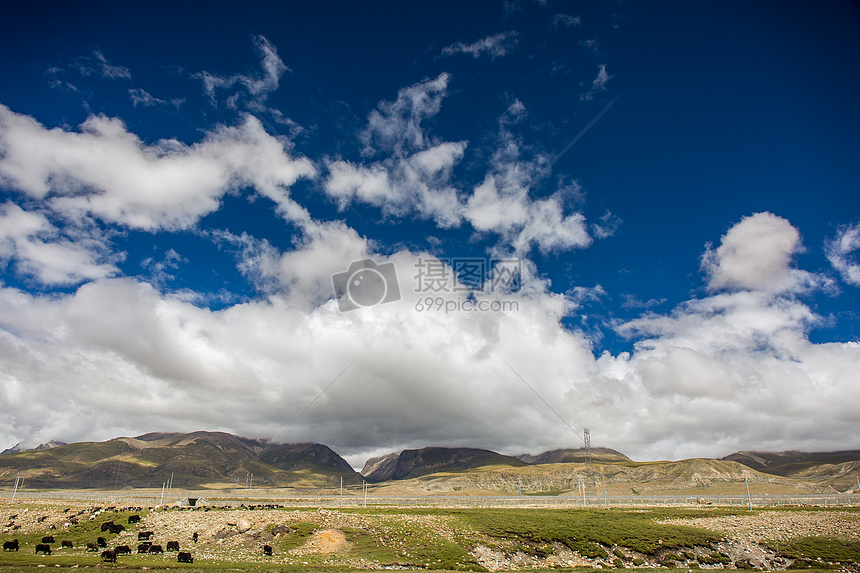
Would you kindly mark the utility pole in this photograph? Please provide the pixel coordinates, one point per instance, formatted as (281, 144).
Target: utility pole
(586, 442)
(341, 491)
(749, 499)
(163, 487)
(364, 491)
(15, 491)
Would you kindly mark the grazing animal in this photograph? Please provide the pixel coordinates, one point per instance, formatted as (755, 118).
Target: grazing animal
(67, 543)
(156, 549)
(11, 545)
(184, 557)
(267, 550)
(109, 556)
(122, 550)
(143, 547)
(173, 546)
(101, 542)
(133, 518)
(142, 535)
(106, 525)
(194, 537)
(92, 546)
(48, 539)
(43, 548)
(116, 528)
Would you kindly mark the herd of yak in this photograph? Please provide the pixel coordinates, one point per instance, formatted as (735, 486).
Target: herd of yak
(110, 555)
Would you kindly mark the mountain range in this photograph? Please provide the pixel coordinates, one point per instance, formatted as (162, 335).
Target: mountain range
(221, 460)
(189, 460)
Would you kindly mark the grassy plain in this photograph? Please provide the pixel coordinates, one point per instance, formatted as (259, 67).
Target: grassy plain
(427, 539)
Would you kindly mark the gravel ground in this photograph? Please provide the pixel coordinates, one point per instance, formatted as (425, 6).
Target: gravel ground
(778, 525)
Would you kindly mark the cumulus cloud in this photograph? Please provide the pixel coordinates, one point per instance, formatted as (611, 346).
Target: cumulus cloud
(757, 254)
(738, 369)
(734, 369)
(414, 173)
(112, 355)
(494, 46)
(501, 203)
(43, 252)
(302, 276)
(108, 172)
(415, 177)
(839, 253)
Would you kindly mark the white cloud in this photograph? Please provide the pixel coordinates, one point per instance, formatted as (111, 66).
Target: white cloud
(42, 252)
(839, 251)
(109, 70)
(140, 97)
(738, 371)
(757, 254)
(106, 171)
(565, 20)
(414, 176)
(494, 46)
(99, 65)
(733, 370)
(502, 204)
(257, 87)
(300, 277)
(598, 85)
(396, 126)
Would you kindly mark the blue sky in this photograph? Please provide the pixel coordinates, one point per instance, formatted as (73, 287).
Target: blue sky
(674, 184)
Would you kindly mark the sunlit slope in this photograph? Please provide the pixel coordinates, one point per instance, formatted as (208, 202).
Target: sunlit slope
(193, 460)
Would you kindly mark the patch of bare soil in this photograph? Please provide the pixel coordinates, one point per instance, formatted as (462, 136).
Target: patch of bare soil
(325, 541)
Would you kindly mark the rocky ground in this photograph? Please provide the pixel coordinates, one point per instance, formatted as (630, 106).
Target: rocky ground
(778, 525)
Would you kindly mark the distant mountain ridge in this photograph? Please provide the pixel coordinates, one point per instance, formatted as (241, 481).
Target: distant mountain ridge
(46, 446)
(222, 460)
(790, 462)
(416, 463)
(838, 469)
(193, 460)
(575, 456)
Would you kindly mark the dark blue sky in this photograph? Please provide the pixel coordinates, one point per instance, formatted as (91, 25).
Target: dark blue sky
(726, 113)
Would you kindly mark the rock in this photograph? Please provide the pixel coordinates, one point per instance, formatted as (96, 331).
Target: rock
(243, 525)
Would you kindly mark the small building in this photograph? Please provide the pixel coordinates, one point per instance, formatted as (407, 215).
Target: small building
(192, 502)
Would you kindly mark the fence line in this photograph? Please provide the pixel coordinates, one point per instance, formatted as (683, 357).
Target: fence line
(235, 499)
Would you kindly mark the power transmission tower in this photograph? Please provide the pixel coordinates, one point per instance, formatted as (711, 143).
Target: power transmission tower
(586, 440)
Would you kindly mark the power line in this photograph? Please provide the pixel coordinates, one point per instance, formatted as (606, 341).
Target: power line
(562, 152)
(538, 395)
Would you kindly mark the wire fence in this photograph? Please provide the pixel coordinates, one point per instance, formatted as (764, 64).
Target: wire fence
(252, 497)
